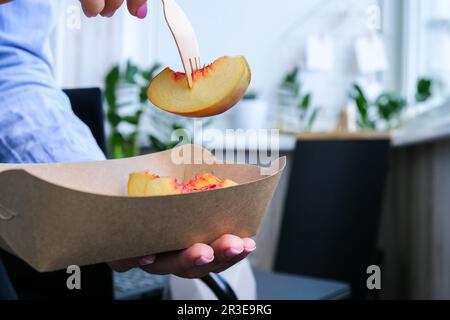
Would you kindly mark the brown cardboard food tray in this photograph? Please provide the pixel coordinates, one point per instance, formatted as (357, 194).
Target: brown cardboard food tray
(56, 215)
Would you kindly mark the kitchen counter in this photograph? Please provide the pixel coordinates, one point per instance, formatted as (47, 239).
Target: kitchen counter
(428, 127)
(360, 135)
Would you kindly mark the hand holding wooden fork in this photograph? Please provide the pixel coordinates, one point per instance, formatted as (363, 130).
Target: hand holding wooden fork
(178, 22)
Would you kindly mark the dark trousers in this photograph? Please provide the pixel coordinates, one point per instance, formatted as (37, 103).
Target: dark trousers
(6, 290)
(96, 281)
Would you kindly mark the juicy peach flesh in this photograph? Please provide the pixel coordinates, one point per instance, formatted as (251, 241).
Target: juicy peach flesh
(216, 88)
(160, 186)
(137, 182)
(203, 181)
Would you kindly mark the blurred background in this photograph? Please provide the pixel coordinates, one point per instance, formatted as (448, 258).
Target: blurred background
(326, 40)
(360, 93)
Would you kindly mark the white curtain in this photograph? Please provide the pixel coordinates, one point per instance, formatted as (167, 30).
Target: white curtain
(85, 49)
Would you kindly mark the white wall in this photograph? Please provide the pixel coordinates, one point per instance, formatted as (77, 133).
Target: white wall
(254, 28)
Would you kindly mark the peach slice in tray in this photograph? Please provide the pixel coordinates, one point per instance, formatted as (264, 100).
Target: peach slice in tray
(138, 181)
(203, 182)
(143, 184)
(217, 88)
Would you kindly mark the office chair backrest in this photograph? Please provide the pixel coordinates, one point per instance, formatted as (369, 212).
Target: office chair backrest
(87, 105)
(333, 209)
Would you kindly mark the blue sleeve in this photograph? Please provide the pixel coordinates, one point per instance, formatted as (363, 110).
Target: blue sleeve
(37, 125)
(36, 120)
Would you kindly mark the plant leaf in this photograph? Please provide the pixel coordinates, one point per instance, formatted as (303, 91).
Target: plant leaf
(424, 87)
(113, 118)
(360, 93)
(111, 81)
(132, 119)
(313, 118)
(157, 144)
(177, 127)
(390, 105)
(291, 77)
(130, 73)
(363, 105)
(149, 74)
(306, 101)
(143, 95)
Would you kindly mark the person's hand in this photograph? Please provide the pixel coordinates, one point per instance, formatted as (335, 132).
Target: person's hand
(107, 8)
(194, 262)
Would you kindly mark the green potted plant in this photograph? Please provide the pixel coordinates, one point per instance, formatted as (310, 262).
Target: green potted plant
(365, 120)
(308, 113)
(297, 112)
(389, 106)
(383, 112)
(424, 89)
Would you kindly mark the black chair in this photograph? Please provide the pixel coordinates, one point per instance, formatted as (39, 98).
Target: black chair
(7, 291)
(96, 280)
(87, 104)
(333, 209)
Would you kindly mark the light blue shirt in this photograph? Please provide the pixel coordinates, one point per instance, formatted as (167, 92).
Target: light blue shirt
(36, 120)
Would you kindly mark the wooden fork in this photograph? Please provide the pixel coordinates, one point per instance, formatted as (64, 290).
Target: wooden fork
(185, 38)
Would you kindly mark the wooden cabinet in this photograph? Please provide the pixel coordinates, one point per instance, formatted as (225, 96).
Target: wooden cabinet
(415, 230)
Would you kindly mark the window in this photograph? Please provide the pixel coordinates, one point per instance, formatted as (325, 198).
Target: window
(426, 44)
